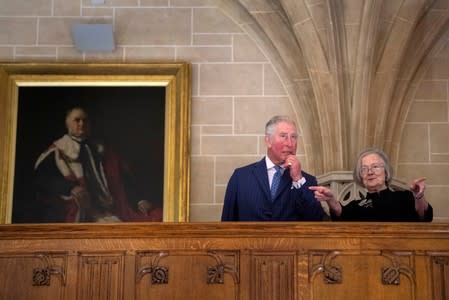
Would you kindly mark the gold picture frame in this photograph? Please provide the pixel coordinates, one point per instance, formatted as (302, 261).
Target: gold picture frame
(174, 78)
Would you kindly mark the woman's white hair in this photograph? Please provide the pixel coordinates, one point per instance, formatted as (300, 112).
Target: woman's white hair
(358, 165)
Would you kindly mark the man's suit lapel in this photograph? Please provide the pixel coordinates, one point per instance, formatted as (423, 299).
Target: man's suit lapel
(261, 174)
(285, 181)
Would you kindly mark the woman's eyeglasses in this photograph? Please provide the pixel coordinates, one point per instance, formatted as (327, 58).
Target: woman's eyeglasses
(375, 168)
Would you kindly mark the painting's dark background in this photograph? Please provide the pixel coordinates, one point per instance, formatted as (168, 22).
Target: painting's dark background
(128, 119)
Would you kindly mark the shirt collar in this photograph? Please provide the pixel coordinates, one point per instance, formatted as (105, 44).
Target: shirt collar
(76, 139)
(270, 164)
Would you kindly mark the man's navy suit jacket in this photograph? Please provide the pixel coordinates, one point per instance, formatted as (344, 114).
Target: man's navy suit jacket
(248, 197)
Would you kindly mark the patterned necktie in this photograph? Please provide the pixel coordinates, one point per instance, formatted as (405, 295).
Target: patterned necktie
(276, 180)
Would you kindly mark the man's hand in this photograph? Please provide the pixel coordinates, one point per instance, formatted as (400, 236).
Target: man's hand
(294, 166)
(81, 196)
(144, 206)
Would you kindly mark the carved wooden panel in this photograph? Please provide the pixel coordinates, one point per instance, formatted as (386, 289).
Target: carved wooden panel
(40, 275)
(217, 270)
(189, 274)
(399, 263)
(101, 275)
(388, 274)
(244, 261)
(272, 276)
(440, 276)
(330, 274)
(322, 262)
(159, 273)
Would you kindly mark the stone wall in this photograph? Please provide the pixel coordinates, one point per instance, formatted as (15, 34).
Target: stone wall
(353, 73)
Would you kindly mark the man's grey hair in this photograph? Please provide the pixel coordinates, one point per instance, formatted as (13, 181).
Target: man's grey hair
(387, 166)
(270, 127)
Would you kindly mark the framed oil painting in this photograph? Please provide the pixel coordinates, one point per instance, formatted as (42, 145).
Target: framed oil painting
(94, 142)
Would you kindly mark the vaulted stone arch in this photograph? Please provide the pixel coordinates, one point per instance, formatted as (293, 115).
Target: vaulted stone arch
(348, 66)
(429, 36)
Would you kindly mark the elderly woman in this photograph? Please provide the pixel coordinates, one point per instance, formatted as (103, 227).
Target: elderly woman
(374, 172)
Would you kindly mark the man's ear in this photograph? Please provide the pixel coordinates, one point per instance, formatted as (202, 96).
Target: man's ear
(267, 141)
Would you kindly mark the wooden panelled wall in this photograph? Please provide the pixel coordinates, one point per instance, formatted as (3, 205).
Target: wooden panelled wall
(225, 261)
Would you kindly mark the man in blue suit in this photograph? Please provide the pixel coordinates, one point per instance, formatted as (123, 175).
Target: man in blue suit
(249, 192)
